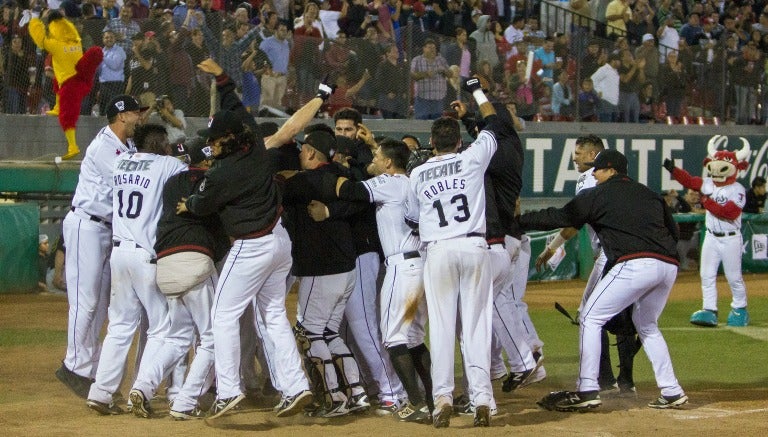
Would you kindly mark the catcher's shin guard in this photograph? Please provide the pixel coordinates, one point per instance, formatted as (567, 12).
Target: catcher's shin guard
(315, 366)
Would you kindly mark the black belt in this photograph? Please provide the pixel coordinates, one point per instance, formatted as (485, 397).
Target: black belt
(116, 243)
(93, 217)
(723, 234)
(475, 234)
(411, 255)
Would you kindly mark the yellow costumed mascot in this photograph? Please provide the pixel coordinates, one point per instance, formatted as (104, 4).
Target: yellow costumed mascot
(73, 70)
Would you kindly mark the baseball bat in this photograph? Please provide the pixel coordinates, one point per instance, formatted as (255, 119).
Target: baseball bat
(565, 312)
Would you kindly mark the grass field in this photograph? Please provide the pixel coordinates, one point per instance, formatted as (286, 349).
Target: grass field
(722, 369)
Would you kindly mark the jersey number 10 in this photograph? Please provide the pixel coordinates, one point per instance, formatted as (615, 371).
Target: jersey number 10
(461, 199)
(132, 206)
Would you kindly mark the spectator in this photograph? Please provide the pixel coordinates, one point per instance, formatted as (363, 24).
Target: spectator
(110, 10)
(691, 31)
(139, 11)
(255, 64)
(392, 82)
(227, 54)
(184, 14)
(521, 88)
(639, 25)
(514, 32)
(124, 28)
(648, 107)
(673, 81)
(593, 59)
(650, 54)
(112, 71)
(56, 277)
(145, 81)
(16, 65)
(429, 72)
(344, 94)
(562, 96)
(42, 262)
(580, 26)
(200, 95)
(338, 58)
(546, 54)
(329, 19)
(668, 38)
(746, 71)
(181, 82)
(310, 18)
(171, 118)
(606, 83)
(211, 17)
(356, 20)
(307, 42)
(756, 196)
(617, 14)
(461, 52)
(631, 79)
(589, 101)
(485, 43)
(268, 26)
(503, 48)
(274, 80)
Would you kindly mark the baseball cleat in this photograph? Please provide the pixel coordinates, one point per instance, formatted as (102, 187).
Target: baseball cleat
(517, 380)
(221, 406)
(386, 408)
(109, 409)
(195, 413)
(80, 385)
(579, 401)
(706, 318)
(140, 404)
(442, 416)
(482, 416)
(462, 405)
(358, 403)
(610, 390)
(291, 405)
(738, 317)
(336, 409)
(664, 402)
(414, 414)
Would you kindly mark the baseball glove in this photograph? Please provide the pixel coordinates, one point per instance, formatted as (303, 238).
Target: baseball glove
(548, 402)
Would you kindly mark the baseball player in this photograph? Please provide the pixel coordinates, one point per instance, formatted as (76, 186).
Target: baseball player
(447, 201)
(503, 181)
(87, 229)
(138, 180)
(186, 248)
(324, 263)
(360, 313)
(258, 263)
(402, 303)
(723, 198)
(639, 239)
(586, 149)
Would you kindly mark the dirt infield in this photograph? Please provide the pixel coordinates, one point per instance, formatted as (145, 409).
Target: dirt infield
(33, 402)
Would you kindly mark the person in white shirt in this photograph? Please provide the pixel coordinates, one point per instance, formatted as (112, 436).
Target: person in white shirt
(606, 85)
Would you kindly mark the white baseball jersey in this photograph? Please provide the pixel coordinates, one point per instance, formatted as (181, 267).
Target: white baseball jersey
(137, 199)
(447, 193)
(730, 193)
(586, 181)
(389, 193)
(94, 185)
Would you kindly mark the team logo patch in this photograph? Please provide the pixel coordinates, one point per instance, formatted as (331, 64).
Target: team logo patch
(120, 105)
(202, 186)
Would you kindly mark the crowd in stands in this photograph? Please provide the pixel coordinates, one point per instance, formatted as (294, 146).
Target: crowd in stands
(609, 60)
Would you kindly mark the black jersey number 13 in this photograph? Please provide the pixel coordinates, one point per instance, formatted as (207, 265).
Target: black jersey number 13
(460, 200)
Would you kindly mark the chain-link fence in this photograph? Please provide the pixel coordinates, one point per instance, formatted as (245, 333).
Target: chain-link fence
(374, 73)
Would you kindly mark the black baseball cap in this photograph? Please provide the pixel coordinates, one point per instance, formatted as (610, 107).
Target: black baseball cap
(610, 158)
(193, 151)
(222, 124)
(123, 103)
(323, 141)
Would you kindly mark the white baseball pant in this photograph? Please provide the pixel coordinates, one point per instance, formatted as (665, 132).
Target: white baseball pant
(727, 250)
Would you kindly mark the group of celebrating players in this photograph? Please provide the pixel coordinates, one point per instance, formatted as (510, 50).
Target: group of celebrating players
(200, 242)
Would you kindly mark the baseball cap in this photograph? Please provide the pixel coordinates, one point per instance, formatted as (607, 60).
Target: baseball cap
(193, 151)
(123, 103)
(322, 141)
(222, 123)
(648, 37)
(610, 158)
(42, 238)
(345, 145)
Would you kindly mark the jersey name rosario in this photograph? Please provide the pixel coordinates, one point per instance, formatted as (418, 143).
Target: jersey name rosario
(128, 165)
(444, 173)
